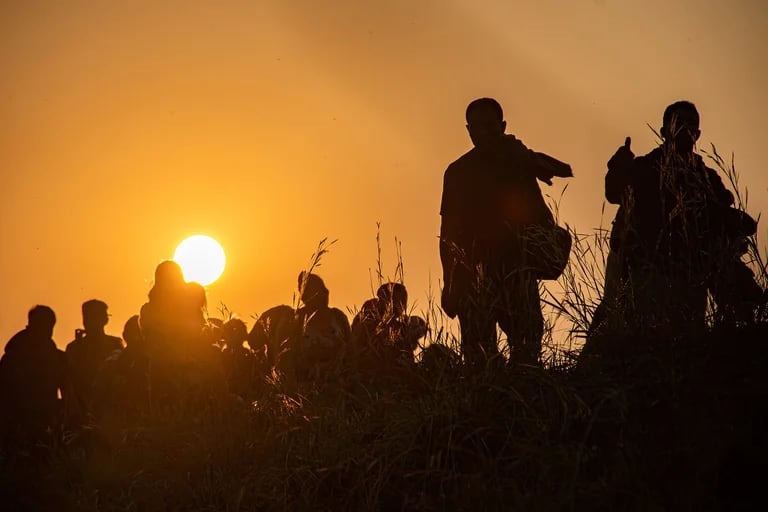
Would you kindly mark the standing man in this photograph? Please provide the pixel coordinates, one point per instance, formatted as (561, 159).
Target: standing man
(87, 354)
(32, 377)
(491, 203)
(675, 236)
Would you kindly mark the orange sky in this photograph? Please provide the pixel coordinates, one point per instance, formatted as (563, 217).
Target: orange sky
(128, 126)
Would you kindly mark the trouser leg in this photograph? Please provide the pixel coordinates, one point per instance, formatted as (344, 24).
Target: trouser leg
(478, 335)
(521, 319)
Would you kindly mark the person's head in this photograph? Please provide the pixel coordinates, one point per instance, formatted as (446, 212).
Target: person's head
(168, 272)
(196, 295)
(235, 332)
(680, 126)
(40, 321)
(312, 289)
(485, 121)
(393, 297)
(95, 315)
(132, 332)
(169, 279)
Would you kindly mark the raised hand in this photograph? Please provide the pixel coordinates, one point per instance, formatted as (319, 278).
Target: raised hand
(623, 156)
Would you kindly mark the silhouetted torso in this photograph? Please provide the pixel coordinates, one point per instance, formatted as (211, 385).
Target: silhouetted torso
(672, 211)
(490, 192)
(86, 357)
(272, 332)
(493, 215)
(383, 334)
(32, 373)
(172, 321)
(324, 333)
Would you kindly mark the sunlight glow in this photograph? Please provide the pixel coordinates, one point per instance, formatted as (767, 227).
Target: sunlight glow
(201, 259)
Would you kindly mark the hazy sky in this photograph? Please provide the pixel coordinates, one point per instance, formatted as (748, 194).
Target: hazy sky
(270, 125)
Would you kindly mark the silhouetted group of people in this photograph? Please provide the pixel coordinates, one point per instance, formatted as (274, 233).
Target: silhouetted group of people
(677, 239)
(170, 351)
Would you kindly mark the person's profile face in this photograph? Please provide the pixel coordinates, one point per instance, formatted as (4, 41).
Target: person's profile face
(484, 126)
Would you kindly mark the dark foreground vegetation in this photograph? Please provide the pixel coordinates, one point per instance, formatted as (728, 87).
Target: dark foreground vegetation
(664, 425)
(648, 423)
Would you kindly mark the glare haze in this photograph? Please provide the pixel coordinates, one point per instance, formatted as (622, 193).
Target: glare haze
(129, 126)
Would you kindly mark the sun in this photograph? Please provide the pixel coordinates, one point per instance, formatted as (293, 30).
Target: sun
(201, 259)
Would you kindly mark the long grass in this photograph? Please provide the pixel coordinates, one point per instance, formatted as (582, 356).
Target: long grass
(674, 426)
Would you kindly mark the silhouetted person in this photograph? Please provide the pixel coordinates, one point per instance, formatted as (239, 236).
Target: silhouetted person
(675, 234)
(491, 206)
(324, 331)
(383, 333)
(134, 341)
(127, 373)
(87, 353)
(271, 334)
(240, 365)
(172, 324)
(32, 375)
(173, 320)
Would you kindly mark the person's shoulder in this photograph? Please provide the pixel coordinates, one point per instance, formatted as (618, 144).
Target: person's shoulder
(461, 163)
(511, 142)
(654, 155)
(277, 312)
(113, 342)
(339, 315)
(337, 312)
(75, 346)
(16, 341)
(651, 161)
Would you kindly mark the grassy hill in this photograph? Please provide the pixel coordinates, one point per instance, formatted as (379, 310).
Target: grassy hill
(667, 425)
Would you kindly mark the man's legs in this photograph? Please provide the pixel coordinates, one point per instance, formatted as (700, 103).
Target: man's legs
(521, 319)
(478, 333)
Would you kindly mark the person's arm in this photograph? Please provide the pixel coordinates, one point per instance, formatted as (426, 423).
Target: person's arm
(720, 194)
(450, 231)
(535, 163)
(343, 325)
(450, 220)
(617, 179)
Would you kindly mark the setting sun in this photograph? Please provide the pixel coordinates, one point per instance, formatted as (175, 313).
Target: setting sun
(201, 259)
